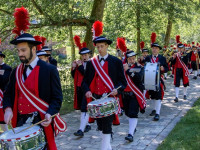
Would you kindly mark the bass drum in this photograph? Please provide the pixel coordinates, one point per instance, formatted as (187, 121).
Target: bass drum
(152, 76)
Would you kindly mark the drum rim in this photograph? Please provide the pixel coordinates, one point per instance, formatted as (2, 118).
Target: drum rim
(22, 138)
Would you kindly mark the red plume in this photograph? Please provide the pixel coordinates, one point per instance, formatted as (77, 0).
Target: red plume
(153, 37)
(121, 44)
(21, 20)
(43, 40)
(38, 38)
(192, 43)
(142, 45)
(97, 28)
(84, 45)
(0, 41)
(197, 44)
(165, 47)
(178, 39)
(77, 41)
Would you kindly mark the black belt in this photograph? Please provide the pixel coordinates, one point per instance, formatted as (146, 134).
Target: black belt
(97, 96)
(21, 118)
(128, 93)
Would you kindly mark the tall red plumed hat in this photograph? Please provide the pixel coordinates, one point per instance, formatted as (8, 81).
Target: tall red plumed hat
(153, 41)
(97, 30)
(82, 46)
(21, 16)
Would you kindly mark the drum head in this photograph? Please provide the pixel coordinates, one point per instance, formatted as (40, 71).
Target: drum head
(101, 101)
(10, 135)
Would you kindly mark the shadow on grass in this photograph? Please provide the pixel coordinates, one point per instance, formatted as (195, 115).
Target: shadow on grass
(186, 134)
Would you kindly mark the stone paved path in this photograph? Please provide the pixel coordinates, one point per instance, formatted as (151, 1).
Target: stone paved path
(149, 133)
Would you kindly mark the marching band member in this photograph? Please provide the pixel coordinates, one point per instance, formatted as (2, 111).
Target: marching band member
(43, 55)
(145, 53)
(104, 74)
(51, 59)
(34, 89)
(77, 71)
(157, 96)
(5, 72)
(180, 61)
(133, 99)
(194, 58)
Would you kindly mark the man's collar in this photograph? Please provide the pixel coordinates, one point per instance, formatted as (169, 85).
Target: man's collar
(2, 63)
(155, 55)
(106, 56)
(34, 62)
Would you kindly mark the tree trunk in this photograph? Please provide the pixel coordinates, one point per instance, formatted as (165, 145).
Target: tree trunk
(138, 25)
(96, 14)
(168, 31)
(72, 43)
(169, 24)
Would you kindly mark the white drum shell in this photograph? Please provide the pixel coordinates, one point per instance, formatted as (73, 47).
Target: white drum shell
(152, 76)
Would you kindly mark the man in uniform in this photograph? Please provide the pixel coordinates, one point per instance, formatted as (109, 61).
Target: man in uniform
(104, 74)
(80, 103)
(157, 96)
(43, 55)
(133, 99)
(5, 72)
(32, 77)
(194, 58)
(180, 62)
(51, 59)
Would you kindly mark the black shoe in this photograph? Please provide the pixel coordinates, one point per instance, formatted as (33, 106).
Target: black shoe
(129, 138)
(176, 100)
(79, 133)
(87, 128)
(156, 118)
(195, 77)
(152, 113)
(185, 97)
(199, 75)
(165, 78)
(135, 130)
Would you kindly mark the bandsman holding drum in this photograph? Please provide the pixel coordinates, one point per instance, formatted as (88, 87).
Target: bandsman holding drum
(180, 62)
(34, 90)
(77, 72)
(104, 75)
(133, 99)
(157, 95)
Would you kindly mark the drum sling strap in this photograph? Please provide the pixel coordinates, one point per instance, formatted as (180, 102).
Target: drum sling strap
(137, 92)
(59, 125)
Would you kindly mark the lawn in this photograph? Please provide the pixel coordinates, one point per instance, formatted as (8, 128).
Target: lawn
(186, 134)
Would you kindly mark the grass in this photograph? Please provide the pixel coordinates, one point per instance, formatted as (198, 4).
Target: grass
(186, 134)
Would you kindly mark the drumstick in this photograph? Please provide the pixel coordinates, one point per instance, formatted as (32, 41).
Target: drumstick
(11, 127)
(35, 124)
(111, 92)
(93, 97)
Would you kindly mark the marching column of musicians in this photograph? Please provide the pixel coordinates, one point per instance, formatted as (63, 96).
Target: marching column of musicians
(35, 82)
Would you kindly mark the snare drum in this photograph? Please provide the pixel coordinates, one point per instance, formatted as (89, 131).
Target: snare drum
(152, 76)
(30, 139)
(102, 107)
